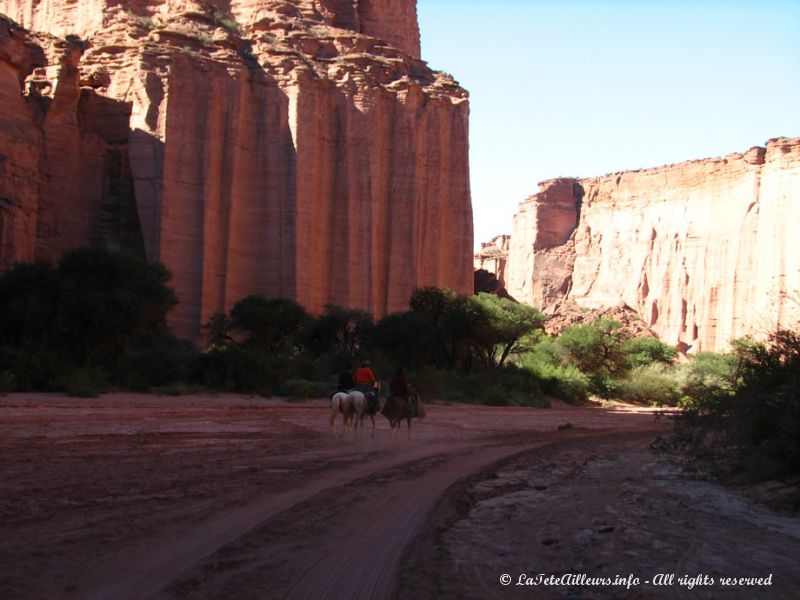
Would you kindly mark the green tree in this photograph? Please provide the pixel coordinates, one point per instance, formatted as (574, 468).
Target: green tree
(643, 351)
(218, 330)
(343, 329)
(505, 328)
(433, 302)
(28, 305)
(270, 324)
(406, 337)
(596, 348)
(454, 322)
(105, 300)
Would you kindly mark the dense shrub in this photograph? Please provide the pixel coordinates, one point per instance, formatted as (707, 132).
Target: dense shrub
(41, 370)
(302, 389)
(643, 351)
(159, 365)
(8, 382)
(87, 308)
(652, 384)
(710, 381)
(563, 381)
(566, 382)
(84, 382)
(747, 407)
(237, 368)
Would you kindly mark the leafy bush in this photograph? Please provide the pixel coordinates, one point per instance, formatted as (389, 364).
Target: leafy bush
(179, 388)
(747, 406)
(534, 402)
(433, 383)
(8, 382)
(651, 385)
(565, 382)
(606, 386)
(34, 370)
(711, 381)
(84, 382)
(643, 351)
(301, 389)
(237, 369)
(497, 395)
(160, 365)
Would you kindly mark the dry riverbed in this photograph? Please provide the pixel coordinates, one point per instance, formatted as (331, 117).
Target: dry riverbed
(131, 496)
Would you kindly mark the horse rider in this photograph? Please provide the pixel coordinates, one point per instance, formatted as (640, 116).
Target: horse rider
(399, 386)
(365, 382)
(345, 380)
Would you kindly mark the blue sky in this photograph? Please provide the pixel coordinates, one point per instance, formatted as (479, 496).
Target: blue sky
(582, 88)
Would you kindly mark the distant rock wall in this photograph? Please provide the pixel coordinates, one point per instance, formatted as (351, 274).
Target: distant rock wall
(269, 147)
(705, 251)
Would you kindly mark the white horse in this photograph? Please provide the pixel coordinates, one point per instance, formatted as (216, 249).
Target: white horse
(341, 403)
(360, 407)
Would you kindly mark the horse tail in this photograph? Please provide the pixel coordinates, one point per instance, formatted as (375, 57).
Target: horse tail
(335, 401)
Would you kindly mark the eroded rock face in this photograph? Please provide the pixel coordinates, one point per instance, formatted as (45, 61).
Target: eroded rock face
(272, 147)
(64, 173)
(493, 256)
(393, 21)
(705, 251)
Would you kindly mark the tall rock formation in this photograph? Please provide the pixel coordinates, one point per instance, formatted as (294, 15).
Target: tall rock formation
(289, 148)
(705, 251)
(493, 256)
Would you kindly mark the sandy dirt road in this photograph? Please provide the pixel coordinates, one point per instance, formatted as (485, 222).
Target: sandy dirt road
(130, 496)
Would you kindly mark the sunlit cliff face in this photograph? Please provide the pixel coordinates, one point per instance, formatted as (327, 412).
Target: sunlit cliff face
(703, 250)
(281, 148)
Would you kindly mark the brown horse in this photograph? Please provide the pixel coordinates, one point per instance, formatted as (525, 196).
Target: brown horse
(398, 408)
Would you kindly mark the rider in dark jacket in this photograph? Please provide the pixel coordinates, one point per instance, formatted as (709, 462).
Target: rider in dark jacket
(399, 386)
(346, 380)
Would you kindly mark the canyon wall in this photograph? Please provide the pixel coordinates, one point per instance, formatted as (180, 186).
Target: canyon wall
(295, 149)
(705, 251)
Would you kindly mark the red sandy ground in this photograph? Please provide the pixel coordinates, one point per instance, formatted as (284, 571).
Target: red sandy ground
(132, 496)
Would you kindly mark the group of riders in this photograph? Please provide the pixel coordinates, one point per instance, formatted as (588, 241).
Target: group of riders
(363, 380)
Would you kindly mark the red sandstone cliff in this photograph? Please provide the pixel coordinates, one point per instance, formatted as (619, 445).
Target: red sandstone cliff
(295, 149)
(705, 251)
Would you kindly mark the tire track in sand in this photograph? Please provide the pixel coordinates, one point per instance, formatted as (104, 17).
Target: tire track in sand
(364, 560)
(137, 574)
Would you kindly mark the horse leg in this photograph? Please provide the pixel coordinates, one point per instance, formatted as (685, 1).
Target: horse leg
(408, 420)
(347, 425)
(334, 414)
(371, 418)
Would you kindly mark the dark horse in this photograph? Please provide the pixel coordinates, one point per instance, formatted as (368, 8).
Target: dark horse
(398, 408)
